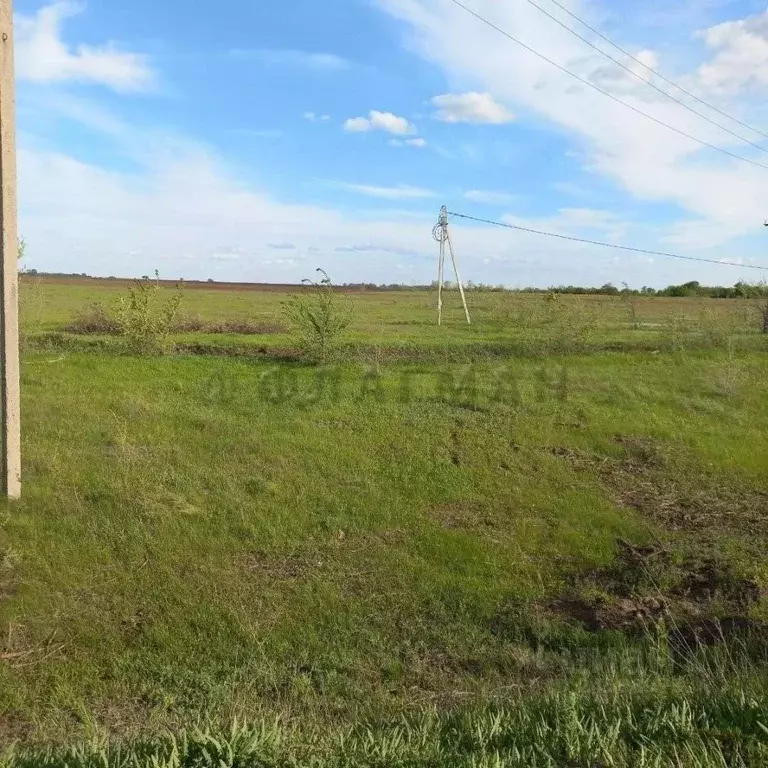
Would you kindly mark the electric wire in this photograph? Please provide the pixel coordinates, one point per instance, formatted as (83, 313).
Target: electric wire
(597, 88)
(643, 80)
(604, 244)
(657, 73)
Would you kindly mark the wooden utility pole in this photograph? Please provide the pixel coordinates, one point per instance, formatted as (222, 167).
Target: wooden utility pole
(9, 266)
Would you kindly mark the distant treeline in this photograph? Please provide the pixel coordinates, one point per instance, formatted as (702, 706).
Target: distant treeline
(35, 273)
(693, 288)
(740, 290)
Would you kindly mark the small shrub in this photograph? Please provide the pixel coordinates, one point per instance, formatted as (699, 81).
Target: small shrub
(675, 331)
(629, 299)
(144, 319)
(95, 319)
(761, 306)
(319, 317)
(729, 376)
(568, 325)
(757, 293)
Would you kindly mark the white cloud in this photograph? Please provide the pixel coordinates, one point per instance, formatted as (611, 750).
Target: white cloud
(741, 54)
(226, 255)
(386, 121)
(644, 159)
(400, 192)
(590, 220)
(282, 263)
(616, 79)
(357, 125)
(379, 121)
(185, 213)
(588, 223)
(417, 142)
(313, 117)
(180, 208)
(289, 57)
(43, 57)
(489, 197)
(470, 108)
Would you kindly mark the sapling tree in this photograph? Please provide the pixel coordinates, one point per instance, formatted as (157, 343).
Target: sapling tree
(145, 317)
(319, 316)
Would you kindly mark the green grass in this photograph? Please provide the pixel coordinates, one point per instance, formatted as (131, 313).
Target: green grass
(397, 324)
(208, 538)
(642, 729)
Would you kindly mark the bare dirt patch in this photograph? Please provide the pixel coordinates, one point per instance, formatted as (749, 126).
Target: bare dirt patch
(626, 614)
(640, 479)
(15, 726)
(648, 586)
(687, 638)
(679, 507)
(692, 592)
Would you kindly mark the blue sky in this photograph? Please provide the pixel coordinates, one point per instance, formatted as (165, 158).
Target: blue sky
(265, 139)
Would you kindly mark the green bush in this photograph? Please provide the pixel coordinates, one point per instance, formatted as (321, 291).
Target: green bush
(95, 319)
(145, 318)
(319, 317)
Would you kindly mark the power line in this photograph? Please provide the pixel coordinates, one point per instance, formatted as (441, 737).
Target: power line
(604, 245)
(642, 79)
(657, 73)
(597, 88)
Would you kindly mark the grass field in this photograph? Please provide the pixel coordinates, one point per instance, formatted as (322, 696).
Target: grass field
(538, 540)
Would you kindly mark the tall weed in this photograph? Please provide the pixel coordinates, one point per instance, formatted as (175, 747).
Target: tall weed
(319, 317)
(31, 300)
(145, 317)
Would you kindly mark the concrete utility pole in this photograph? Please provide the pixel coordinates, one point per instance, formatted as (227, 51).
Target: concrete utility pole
(9, 266)
(441, 234)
